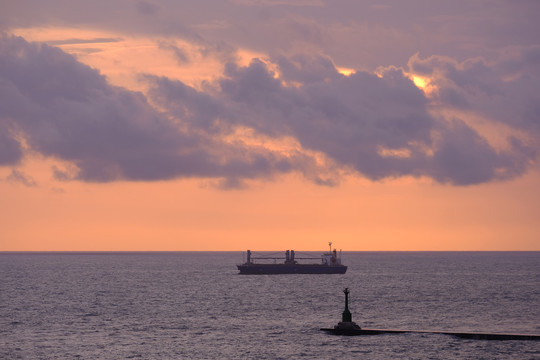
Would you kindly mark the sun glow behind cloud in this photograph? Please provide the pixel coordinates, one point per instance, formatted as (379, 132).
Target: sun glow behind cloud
(345, 71)
(423, 83)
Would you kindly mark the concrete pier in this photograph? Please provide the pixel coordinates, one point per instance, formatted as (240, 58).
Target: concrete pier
(349, 328)
(459, 334)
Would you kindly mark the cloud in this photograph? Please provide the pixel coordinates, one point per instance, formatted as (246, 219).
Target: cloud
(10, 149)
(378, 126)
(83, 41)
(180, 54)
(505, 89)
(18, 176)
(66, 110)
(463, 157)
(147, 8)
(234, 129)
(307, 69)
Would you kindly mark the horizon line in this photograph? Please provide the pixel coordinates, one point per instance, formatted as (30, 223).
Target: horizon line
(229, 251)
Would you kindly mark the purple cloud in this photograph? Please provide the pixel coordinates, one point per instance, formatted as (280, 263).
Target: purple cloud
(463, 158)
(10, 149)
(376, 126)
(66, 110)
(146, 8)
(180, 54)
(506, 89)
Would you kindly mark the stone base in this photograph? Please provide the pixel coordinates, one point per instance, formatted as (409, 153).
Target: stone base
(347, 326)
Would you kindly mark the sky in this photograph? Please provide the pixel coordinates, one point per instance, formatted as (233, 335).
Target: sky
(151, 125)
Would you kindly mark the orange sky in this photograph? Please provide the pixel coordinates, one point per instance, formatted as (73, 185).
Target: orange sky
(186, 215)
(284, 211)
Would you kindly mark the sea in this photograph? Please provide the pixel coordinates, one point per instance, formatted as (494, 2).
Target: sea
(195, 305)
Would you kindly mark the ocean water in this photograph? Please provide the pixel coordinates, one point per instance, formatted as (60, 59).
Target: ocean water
(196, 306)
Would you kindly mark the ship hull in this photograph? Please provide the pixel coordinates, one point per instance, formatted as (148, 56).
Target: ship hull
(272, 269)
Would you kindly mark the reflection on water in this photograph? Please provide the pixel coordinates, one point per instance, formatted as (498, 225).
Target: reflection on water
(194, 305)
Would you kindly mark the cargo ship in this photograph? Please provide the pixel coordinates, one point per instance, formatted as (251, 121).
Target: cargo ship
(330, 264)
